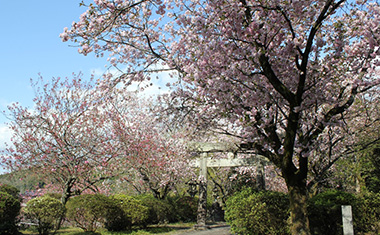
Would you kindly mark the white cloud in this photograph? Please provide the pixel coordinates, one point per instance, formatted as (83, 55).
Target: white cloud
(5, 135)
(3, 103)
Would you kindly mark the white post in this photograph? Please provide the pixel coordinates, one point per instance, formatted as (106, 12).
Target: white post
(348, 228)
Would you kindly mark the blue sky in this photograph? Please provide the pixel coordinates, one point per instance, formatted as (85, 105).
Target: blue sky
(30, 45)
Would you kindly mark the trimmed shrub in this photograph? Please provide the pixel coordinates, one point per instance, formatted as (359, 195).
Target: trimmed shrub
(133, 209)
(160, 211)
(133, 213)
(325, 214)
(11, 190)
(89, 211)
(9, 210)
(264, 212)
(115, 218)
(46, 211)
(57, 196)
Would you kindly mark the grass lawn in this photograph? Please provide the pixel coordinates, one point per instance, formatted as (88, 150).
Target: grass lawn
(170, 229)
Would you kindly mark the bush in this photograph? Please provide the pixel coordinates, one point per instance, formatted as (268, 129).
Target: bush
(115, 219)
(57, 196)
(265, 212)
(185, 208)
(250, 212)
(9, 210)
(325, 214)
(369, 213)
(11, 190)
(133, 213)
(46, 211)
(133, 209)
(160, 211)
(89, 211)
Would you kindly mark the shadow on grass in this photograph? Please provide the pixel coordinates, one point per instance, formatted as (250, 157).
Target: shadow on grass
(159, 229)
(63, 231)
(81, 233)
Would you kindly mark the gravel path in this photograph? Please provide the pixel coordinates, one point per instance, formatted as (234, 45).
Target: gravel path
(211, 230)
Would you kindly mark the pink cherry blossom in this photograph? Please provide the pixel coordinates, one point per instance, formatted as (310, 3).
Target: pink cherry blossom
(300, 64)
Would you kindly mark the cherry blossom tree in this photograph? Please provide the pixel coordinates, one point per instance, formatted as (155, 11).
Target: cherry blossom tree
(63, 137)
(276, 74)
(156, 154)
(78, 135)
(350, 150)
(344, 144)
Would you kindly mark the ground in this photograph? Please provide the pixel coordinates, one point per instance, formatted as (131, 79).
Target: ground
(220, 229)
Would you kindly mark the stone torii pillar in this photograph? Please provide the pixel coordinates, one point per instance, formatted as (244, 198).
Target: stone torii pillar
(202, 204)
(205, 161)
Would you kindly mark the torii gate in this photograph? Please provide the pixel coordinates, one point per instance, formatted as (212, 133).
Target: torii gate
(204, 149)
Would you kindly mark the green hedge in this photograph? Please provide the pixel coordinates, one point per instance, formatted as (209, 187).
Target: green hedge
(89, 211)
(10, 190)
(160, 211)
(10, 205)
(115, 219)
(325, 214)
(131, 213)
(121, 212)
(47, 212)
(250, 212)
(9, 210)
(265, 212)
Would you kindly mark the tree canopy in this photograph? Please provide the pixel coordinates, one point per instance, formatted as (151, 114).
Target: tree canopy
(78, 135)
(279, 73)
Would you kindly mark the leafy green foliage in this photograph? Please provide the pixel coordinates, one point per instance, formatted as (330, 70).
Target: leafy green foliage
(265, 212)
(185, 208)
(10, 204)
(359, 171)
(89, 211)
(115, 219)
(57, 196)
(368, 213)
(372, 176)
(250, 212)
(9, 210)
(160, 211)
(135, 212)
(11, 190)
(325, 214)
(46, 211)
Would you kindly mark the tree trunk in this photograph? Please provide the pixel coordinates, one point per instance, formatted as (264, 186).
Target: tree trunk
(66, 194)
(298, 205)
